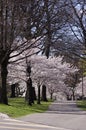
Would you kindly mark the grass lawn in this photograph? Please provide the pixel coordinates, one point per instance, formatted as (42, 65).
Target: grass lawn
(82, 104)
(18, 107)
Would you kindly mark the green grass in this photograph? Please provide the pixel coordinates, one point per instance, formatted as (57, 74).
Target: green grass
(82, 104)
(18, 107)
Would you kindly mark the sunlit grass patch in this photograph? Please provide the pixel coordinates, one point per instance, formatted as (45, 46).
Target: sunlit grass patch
(18, 107)
(82, 104)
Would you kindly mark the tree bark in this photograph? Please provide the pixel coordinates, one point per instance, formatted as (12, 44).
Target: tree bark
(73, 95)
(29, 92)
(48, 28)
(44, 97)
(13, 91)
(51, 96)
(34, 93)
(38, 101)
(4, 73)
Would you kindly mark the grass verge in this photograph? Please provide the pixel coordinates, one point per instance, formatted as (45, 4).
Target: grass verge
(18, 107)
(82, 104)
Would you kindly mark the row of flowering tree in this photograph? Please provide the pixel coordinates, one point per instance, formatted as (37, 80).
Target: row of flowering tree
(20, 22)
(49, 72)
(45, 21)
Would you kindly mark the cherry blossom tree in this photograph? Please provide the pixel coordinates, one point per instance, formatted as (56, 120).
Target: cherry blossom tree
(16, 33)
(50, 72)
(23, 21)
(71, 80)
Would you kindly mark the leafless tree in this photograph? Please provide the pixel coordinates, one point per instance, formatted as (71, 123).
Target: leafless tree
(72, 44)
(24, 26)
(20, 22)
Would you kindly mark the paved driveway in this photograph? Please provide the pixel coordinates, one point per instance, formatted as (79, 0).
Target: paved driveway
(61, 115)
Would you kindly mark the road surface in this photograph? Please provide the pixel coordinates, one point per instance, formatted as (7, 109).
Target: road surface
(11, 124)
(64, 115)
(60, 116)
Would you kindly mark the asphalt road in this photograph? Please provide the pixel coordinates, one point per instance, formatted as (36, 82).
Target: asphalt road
(11, 124)
(60, 116)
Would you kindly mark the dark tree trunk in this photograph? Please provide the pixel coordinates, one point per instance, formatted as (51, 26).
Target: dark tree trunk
(34, 93)
(73, 95)
(4, 73)
(38, 101)
(44, 98)
(0, 93)
(48, 17)
(51, 96)
(13, 91)
(29, 92)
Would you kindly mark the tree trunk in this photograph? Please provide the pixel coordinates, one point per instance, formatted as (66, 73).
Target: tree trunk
(44, 98)
(48, 18)
(0, 93)
(13, 91)
(51, 96)
(73, 95)
(29, 92)
(34, 93)
(38, 101)
(4, 73)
